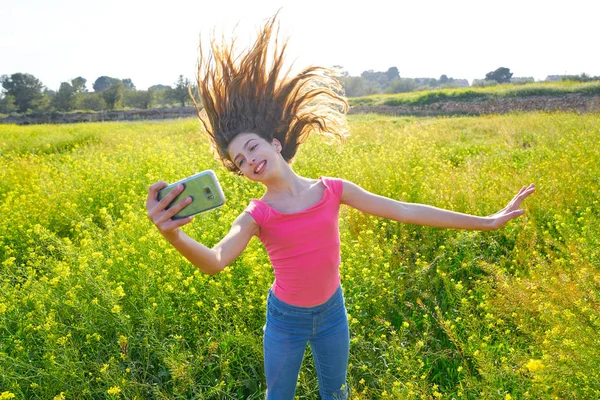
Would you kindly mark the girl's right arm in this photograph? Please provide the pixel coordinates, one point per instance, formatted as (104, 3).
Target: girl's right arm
(210, 261)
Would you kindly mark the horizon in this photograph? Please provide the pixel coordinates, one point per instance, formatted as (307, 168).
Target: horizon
(463, 40)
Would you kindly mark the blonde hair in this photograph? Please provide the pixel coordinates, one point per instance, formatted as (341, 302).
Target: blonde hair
(248, 94)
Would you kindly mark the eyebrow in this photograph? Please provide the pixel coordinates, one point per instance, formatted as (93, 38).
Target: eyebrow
(245, 145)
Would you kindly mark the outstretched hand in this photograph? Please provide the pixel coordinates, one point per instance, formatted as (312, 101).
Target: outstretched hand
(512, 210)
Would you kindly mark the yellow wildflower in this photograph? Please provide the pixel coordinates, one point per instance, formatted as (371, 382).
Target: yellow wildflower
(115, 390)
(534, 365)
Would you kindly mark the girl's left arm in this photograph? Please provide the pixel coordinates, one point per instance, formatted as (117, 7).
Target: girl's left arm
(421, 214)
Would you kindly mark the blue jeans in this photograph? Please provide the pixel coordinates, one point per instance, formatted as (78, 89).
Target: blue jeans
(289, 328)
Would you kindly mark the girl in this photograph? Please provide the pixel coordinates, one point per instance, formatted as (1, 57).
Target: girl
(256, 119)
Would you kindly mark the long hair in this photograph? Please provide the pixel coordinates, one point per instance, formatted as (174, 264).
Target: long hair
(250, 93)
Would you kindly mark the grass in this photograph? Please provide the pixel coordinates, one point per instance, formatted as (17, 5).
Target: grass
(95, 304)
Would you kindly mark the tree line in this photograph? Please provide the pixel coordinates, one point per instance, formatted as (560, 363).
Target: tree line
(376, 82)
(24, 93)
(390, 82)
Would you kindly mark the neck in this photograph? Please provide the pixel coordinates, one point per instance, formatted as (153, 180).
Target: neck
(287, 182)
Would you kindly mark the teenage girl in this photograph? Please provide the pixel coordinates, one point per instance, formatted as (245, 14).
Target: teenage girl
(256, 119)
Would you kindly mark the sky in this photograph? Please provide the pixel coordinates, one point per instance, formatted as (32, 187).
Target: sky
(153, 42)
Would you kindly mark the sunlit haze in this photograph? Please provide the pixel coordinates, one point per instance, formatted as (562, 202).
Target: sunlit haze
(153, 42)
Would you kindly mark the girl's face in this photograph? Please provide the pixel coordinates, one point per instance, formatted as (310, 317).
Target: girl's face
(254, 156)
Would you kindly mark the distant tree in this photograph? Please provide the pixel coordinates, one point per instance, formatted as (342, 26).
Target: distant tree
(25, 89)
(427, 82)
(7, 104)
(79, 84)
(160, 95)
(104, 82)
(145, 98)
(64, 99)
(356, 86)
(483, 83)
(579, 78)
(403, 85)
(501, 75)
(159, 87)
(128, 84)
(141, 99)
(90, 101)
(443, 79)
(379, 80)
(392, 73)
(45, 102)
(113, 96)
(180, 92)
(522, 80)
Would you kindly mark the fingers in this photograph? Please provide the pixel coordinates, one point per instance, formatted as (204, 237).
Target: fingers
(530, 189)
(157, 210)
(165, 201)
(518, 195)
(155, 206)
(153, 192)
(526, 191)
(522, 195)
(512, 215)
(516, 213)
(169, 213)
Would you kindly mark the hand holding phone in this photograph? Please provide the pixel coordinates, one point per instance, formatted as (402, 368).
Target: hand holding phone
(173, 202)
(203, 188)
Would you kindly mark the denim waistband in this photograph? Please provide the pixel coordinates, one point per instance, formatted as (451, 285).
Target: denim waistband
(282, 305)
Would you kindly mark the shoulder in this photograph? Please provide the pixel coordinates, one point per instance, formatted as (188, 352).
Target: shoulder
(336, 185)
(344, 189)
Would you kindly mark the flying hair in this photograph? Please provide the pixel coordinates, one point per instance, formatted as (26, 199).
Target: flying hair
(250, 93)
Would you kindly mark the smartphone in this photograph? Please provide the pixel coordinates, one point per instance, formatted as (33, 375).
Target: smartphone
(204, 189)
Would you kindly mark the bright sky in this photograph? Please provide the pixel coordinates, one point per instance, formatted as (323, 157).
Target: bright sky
(153, 42)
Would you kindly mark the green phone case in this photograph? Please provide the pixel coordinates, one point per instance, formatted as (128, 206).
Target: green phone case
(204, 189)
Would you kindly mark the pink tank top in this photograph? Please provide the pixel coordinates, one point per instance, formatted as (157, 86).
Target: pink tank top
(304, 247)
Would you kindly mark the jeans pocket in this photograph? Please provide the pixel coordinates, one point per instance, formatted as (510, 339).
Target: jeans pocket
(275, 312)
(339, 303)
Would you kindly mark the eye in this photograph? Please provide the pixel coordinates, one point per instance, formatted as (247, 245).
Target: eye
(240, 163)
(253, 147)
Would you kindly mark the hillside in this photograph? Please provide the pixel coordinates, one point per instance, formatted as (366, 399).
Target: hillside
(501, 99)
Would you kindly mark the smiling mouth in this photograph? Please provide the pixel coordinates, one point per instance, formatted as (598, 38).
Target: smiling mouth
(260, 166)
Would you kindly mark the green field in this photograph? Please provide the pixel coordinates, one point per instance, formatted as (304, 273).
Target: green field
(95, 304)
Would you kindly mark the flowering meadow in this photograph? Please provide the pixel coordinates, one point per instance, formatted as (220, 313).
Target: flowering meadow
(95, 304)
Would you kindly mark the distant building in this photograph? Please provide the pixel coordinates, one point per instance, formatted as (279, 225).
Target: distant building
(553, 78)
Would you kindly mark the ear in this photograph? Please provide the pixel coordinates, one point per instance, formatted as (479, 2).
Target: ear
(277, 144)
